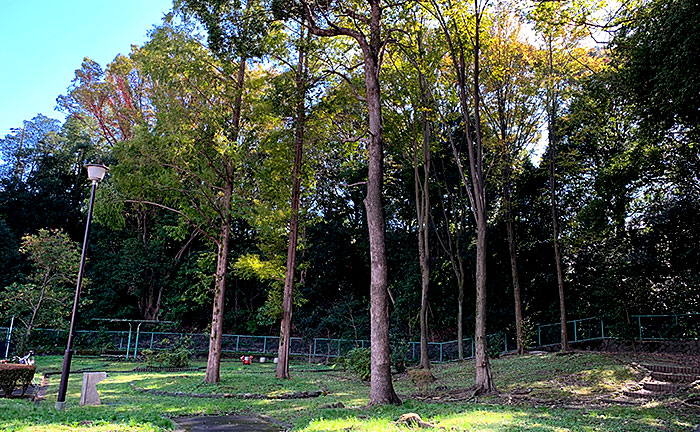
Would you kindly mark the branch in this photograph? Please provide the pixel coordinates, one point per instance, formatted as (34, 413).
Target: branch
(354, 15)
(347, 80)
(361, 183)
(334, 31)
(187, 218)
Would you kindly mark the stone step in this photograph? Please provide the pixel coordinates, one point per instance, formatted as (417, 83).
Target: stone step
(645, 394)
(673, 369)
(675, 377)
(662, 387)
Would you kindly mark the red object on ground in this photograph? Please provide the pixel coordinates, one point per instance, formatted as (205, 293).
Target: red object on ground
(246, 359)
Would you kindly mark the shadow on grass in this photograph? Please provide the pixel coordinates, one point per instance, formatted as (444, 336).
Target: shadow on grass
(496, 418)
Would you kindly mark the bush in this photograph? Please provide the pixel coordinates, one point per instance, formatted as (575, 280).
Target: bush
(359, 361)
(15, 375)
(495, 345)
(173, 356)
(399, 349)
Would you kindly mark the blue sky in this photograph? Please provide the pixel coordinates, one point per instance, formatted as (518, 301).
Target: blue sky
(43, 42)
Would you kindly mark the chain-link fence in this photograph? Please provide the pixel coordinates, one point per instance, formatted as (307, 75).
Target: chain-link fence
(130, 343)
(668, 327)
(580, 330)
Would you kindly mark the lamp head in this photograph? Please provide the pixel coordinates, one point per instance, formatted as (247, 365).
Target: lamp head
(96, 172)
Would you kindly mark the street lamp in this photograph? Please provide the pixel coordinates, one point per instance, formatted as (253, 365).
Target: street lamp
(96, 173)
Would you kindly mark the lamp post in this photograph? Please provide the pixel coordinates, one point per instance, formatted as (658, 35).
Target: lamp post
(96, 173)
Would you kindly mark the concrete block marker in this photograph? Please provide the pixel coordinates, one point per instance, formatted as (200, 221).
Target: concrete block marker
(88, 393)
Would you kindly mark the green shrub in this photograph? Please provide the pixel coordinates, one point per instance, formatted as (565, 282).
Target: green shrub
(495, 345)
(359, 361)
(529, 333)
(399, 349)
(173, 356)
(15, 375)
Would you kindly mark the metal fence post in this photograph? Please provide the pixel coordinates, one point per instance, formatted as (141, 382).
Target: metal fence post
(472, 347)
(150, 347)
(238, 339)
(314, 347)
(338, 354)
(539, 335)
(505, 340)
(640, 327)
(128, 343)
(602, 329)
(575, 331)
(440, 353)
(264, 344)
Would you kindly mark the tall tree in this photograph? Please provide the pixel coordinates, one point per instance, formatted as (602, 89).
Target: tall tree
(301, 82)
(368, 31)
(411, 121)
(512, 113)
(236, 33)
(462, 30)
(187, 160)
(561, 26)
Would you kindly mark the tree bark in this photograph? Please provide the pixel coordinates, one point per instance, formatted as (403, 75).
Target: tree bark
(484, 381)
(552, 114)
(217, 320)
(460, 309)
(381, 387)
(422, 194)
(286, 324)
(514, 266)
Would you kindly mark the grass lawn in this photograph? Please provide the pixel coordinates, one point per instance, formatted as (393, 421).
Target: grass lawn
(543, 393)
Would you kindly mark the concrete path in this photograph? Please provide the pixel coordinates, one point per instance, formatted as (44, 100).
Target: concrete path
(230, 423)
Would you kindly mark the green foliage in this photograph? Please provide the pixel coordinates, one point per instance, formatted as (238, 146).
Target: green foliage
(358, 361)
(40, 300)
(657, 52)
(174, 355)
(496, 345)
(399, 351)
(529, 332)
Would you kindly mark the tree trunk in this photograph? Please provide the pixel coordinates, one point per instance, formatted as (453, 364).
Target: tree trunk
(381, 387)
(553, 195)
(217, 319)
(286, 324)
(422, 211)
(35, 311)
(460, 308)
(557, 259)
(514, 266)
(484, 381)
